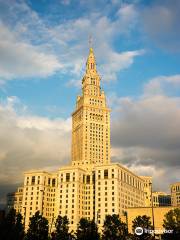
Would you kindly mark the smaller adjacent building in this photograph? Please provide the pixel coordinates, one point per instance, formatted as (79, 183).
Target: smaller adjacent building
(147, 190)
(175, 194)
(14, 200)
(158, 198)
(161, 199)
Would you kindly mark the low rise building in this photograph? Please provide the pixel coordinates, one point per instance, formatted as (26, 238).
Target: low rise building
(158, 213)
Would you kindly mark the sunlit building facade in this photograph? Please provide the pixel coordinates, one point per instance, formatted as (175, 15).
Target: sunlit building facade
(147, 190)
(90, 186)
(175, 194)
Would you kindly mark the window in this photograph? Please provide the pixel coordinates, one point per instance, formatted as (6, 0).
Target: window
(105, 173)
(88, 179)
(67, 177)
(49, 181)
(33, 180)
(53, 182)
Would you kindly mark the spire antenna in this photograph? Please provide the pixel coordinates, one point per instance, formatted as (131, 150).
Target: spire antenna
(90, 41)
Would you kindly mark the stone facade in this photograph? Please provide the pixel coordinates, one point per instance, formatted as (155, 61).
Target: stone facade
(91, 186)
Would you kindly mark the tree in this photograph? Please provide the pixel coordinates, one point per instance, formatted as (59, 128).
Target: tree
(11, 228)
(62, 229)
(87, 230)
(114, 228)
(19, 228)
(172, 225)
(38, 228)
(144, 223)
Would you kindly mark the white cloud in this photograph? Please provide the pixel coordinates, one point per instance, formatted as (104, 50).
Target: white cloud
(19, 59)
(118, 62)
(109, 61)
(127, 14)
(41, 123)
(37, 46)
(28, 142)
(161, 84)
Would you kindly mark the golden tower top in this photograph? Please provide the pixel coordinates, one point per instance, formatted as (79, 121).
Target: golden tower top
(91, 62)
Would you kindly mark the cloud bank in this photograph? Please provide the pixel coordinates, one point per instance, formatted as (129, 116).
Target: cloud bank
(145, 133)
(28, 142)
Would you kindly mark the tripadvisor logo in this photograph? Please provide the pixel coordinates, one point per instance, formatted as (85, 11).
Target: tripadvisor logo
(139, 231)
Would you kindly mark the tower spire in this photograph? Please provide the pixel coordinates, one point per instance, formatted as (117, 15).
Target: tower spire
(91, 61)
(90, 41)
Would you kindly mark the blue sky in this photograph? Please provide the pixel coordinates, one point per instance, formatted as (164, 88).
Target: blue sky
(70, 23)
(43, 49)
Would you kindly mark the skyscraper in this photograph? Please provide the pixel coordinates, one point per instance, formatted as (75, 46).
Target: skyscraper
(91, 121)
(91, 186)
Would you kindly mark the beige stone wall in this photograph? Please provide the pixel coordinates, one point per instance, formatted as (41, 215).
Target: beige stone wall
(147, 190)
(159, 213)
(39, 194)
(117, 191)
